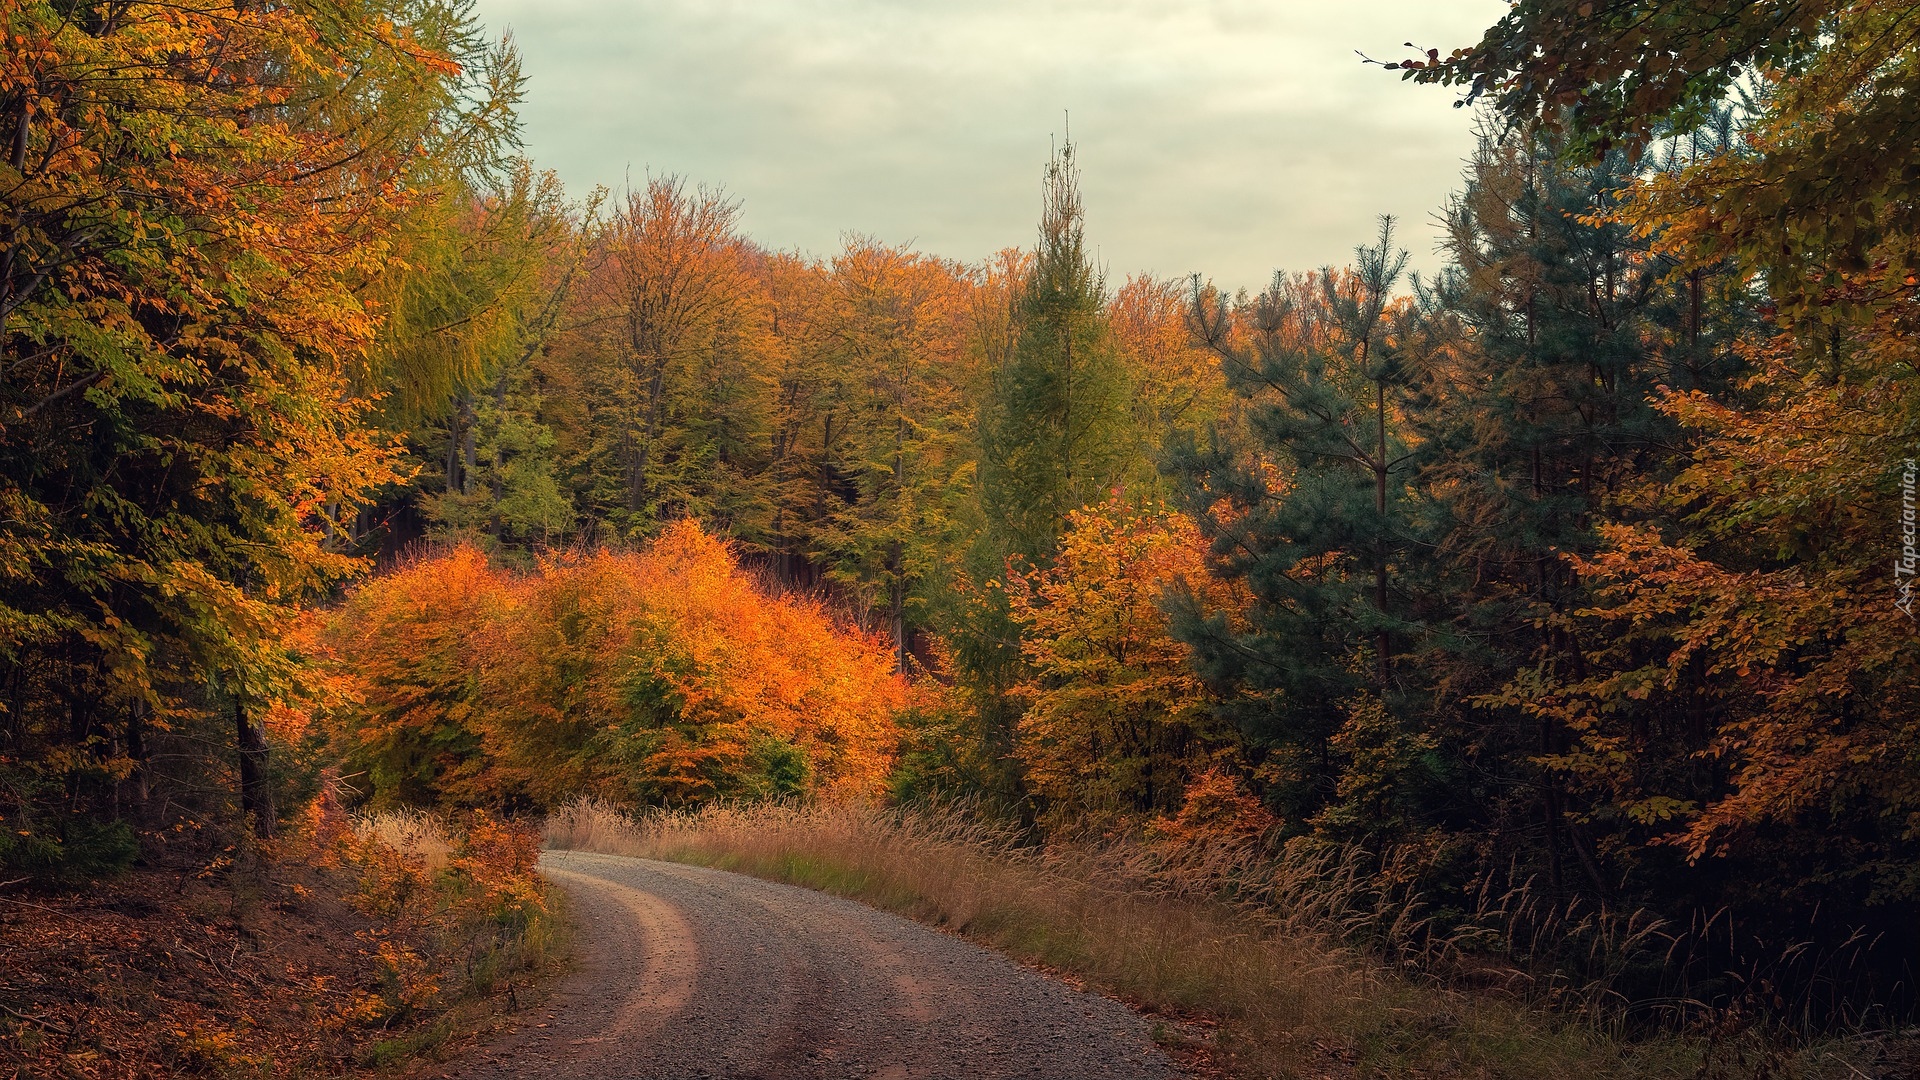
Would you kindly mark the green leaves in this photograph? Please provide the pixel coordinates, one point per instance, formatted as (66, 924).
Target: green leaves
(1056, 424)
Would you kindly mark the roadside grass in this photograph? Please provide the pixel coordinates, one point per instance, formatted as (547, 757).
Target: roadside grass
(1278, 973)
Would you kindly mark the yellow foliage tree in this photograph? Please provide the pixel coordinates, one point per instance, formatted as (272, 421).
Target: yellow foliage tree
(1116, 720)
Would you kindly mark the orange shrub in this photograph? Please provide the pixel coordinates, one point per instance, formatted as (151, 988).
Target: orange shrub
(660, 676)
(399, 658)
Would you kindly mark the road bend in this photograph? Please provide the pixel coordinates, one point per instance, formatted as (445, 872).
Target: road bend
(685, 972)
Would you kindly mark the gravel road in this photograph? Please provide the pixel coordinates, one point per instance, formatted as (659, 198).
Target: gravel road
(687, 972)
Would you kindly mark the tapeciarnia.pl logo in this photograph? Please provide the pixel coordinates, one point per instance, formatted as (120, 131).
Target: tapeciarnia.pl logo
(1909, 560)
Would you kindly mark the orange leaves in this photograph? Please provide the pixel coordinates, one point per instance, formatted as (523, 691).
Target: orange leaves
(1217, 809)
(663, 675)
(776, 664)
(444, 890)
(1772, 624)
(402, 652)
(688, 669)
(1177, 380)
(496, 860)
(195, 196)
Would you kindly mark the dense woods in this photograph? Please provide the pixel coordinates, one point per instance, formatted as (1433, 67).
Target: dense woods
(340, 444)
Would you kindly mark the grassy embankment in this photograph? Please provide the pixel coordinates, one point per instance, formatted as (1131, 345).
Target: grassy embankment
(1276, 969)
(479, 923)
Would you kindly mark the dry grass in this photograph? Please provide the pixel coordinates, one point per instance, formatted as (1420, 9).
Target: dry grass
(470, 919)
(414, 833)
(1292, 998)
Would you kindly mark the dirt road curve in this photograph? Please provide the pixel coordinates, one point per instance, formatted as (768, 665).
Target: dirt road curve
(687, 972)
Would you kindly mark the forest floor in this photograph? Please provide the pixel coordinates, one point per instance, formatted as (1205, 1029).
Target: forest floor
(232, 964)
(184, 970)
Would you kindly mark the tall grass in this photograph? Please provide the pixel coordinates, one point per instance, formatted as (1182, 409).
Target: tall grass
(416, 834)
(1276, 950)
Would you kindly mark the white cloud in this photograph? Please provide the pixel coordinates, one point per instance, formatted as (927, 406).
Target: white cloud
(1228, 137)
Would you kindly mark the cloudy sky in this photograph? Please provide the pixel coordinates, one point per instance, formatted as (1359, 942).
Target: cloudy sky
(1228, 137)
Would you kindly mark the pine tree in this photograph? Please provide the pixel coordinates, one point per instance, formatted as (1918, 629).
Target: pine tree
(1304, 502)
(486, 302)
(1529, 431)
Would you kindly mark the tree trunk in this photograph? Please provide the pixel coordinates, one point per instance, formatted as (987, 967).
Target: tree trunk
(1383, 641)
(642, 455)
(897, 614)
(256, 797)
(453, 453)
(137, 752)
(469, 448)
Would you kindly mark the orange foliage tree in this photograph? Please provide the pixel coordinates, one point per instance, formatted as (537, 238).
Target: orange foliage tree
(194, 196)
(1756, 693)
(404, 650)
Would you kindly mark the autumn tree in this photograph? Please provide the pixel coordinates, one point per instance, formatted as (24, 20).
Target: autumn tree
(1116, 717)
(405, 653)
(1825, 172)
(896, 340)
(195, 197)
(1177, 384)
(669, 314)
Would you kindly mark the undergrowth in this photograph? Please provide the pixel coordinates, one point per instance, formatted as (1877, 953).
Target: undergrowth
(463, 915)
(339, 948)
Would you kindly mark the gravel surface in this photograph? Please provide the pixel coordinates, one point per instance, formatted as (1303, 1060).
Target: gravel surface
(687, 972)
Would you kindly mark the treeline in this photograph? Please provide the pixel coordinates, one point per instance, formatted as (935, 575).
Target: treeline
(852, 424)
(1573, 572)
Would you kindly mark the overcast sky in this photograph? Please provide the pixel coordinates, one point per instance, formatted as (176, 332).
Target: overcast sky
(1228, 137)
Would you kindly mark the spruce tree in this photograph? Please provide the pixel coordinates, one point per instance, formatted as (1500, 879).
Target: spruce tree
(1539, 427)
(1055, 425)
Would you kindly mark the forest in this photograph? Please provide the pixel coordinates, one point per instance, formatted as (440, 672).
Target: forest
(346, 457)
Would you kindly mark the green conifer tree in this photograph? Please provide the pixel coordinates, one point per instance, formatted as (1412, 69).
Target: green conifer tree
(1305, 502)
(1056, 427)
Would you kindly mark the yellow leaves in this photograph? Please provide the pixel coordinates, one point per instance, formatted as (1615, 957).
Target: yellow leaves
(1110, 683)
(1658, 809)
(192, 260)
